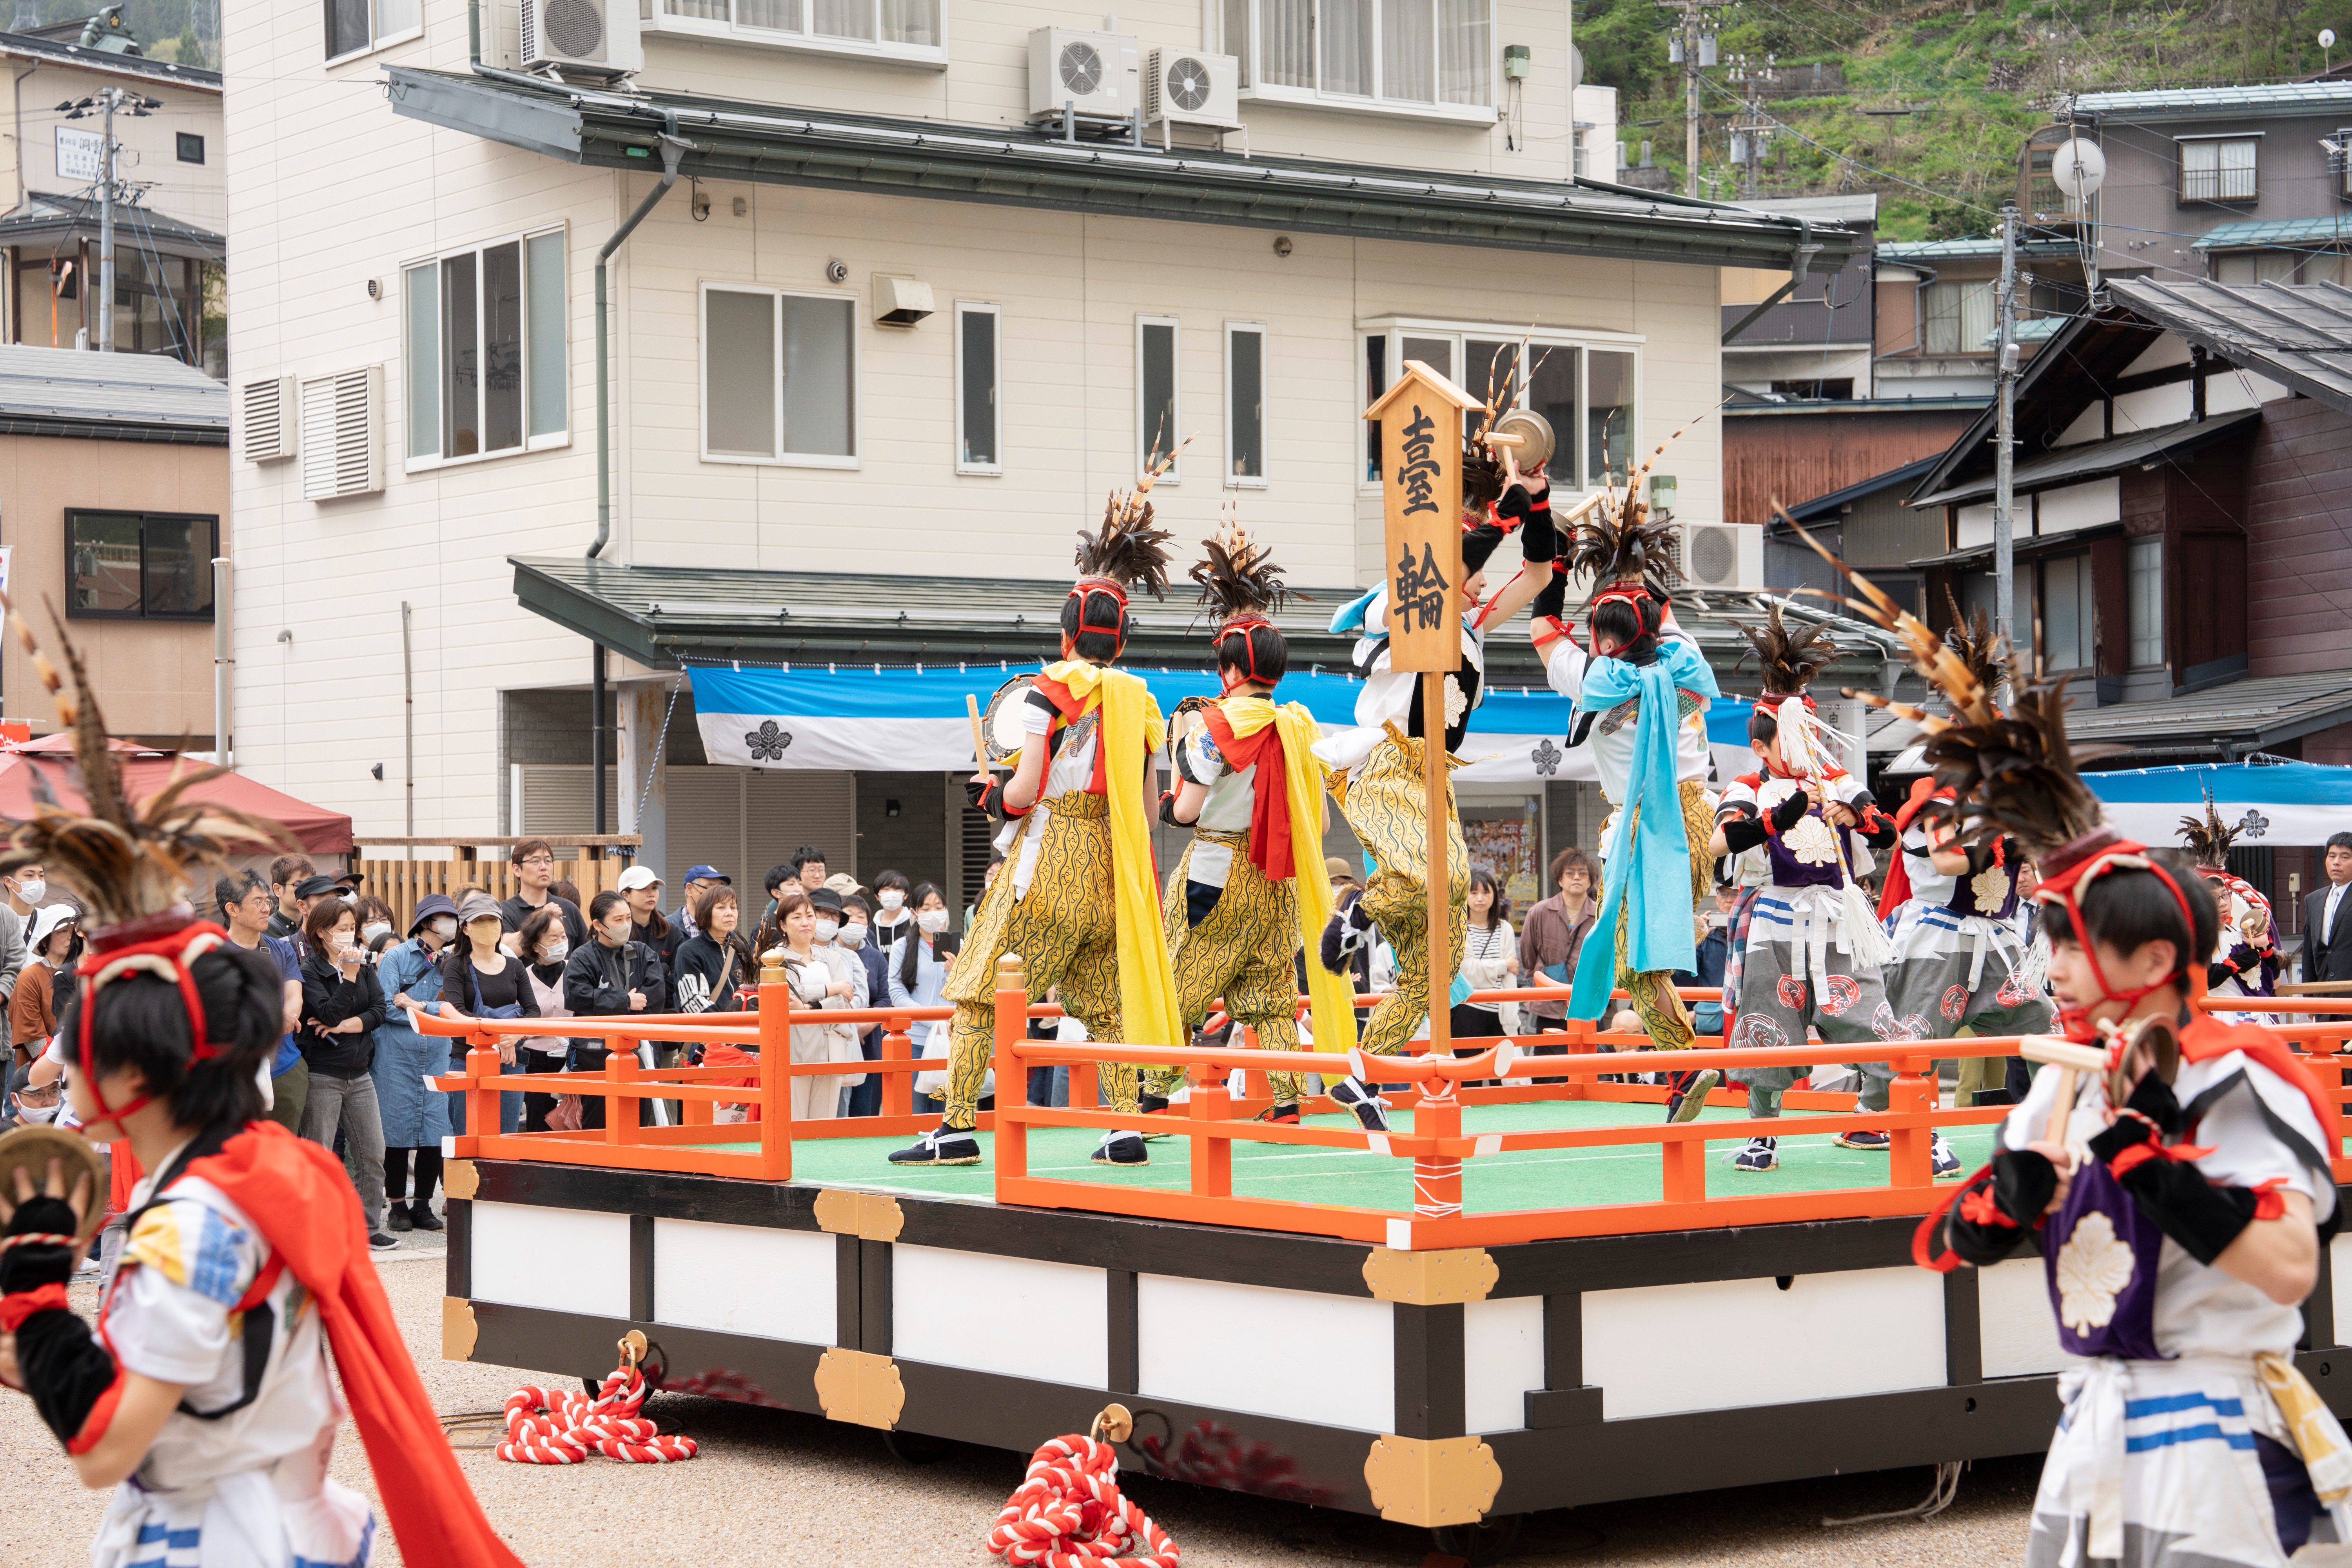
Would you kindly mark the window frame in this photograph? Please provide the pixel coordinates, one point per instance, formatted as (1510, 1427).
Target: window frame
(1175, 438)
(1247, 52)
(74, 614)
(1258, 481)
(1583, 341)
(929, 56)
(180, 140)
(520, 239)
(780, 459)
(2133, 630)
(995, 382)
(2216, 140)
(376, 40)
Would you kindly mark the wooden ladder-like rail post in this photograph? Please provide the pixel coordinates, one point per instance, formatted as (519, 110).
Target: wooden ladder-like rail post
(1011, 1072)
(775, 1069)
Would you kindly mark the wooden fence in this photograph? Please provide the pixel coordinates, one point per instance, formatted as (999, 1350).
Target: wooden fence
(482, 863)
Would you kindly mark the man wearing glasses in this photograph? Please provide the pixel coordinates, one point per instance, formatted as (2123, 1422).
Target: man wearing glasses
(534, 867)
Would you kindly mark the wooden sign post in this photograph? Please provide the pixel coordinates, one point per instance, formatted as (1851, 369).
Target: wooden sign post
(1421, 491)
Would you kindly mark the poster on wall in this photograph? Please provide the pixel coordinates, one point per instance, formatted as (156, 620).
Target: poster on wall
(77, 156)
(1507, 846)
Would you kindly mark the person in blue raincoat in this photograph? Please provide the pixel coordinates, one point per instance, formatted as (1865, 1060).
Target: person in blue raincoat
(415, 1119)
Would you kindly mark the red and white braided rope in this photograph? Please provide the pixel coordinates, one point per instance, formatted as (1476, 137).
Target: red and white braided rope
(1069, 1512)
(549, 1427)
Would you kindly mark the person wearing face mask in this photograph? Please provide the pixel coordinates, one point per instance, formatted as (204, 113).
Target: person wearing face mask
(614, 976)
(856, 938)
(917, 966)
(415, 1119)
(820, 974)
(546, 948)
(342, 1007)
(890, 911)
(25, 890)
(832, 918)
(481, 978)
(246, 909)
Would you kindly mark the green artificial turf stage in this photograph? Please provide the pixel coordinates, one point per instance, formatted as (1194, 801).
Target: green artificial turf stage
(1539, 1178)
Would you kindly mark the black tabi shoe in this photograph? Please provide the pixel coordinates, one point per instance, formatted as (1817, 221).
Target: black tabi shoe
(1352, 1093)
(941, 1146)
(1122, 1148)
(1691, 1099)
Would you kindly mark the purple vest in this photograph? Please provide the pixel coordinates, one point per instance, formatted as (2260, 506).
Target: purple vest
(2099, 1255)
(1970, 899)
(1809, 864)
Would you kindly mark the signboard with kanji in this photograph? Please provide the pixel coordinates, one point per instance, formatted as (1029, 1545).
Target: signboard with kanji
(1421, 490)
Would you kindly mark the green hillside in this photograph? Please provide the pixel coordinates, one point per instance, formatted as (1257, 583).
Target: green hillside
(1976, 74)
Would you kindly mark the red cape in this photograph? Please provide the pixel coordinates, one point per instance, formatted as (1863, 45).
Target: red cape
(1269, 844)
(1897, 889)
(297, 1194)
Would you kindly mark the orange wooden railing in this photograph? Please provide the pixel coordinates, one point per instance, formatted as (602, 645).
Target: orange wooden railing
(1213, 1120)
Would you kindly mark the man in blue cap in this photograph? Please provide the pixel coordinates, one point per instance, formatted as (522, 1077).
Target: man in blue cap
(696, 879)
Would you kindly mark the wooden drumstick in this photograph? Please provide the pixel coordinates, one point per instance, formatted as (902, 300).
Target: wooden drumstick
(2072, 1061)
(979, 740)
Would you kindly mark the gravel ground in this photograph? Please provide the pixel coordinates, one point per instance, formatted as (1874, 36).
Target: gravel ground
(780, 1489)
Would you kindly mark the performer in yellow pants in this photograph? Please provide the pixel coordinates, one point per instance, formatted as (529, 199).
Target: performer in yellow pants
(1075, 900)
(1252, 888)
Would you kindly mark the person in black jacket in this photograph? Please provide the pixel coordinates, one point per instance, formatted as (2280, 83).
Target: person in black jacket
(341, 1006)
(2327, 918)
(613, 977)
(717, 959)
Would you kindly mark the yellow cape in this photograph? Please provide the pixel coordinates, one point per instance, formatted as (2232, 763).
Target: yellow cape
(1132, 728)
(1330, 996)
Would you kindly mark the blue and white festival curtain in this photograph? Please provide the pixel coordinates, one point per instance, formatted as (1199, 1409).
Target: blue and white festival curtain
(912, 719)
(2268, 803)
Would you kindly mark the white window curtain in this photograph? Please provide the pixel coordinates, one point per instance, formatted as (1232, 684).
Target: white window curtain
(1466, 53)
(843, 19)
(756, 13)
(1286, 58)
(2237, 171)
(1347, 34)
(913, 22)
(1408, 66)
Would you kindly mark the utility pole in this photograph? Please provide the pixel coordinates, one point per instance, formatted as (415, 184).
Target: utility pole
(110, 97)
(104, 104)
(1694, 50)
(2004, 436)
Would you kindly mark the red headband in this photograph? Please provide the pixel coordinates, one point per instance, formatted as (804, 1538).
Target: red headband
(1084, 591)
(2095, 854)
(1647, 609)
(1241, 626)
(162, 945)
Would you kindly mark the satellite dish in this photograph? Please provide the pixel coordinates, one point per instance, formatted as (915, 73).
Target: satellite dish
(2078, 168)
(2326, 37)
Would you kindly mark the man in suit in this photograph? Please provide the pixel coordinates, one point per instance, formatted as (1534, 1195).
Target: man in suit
(2327, 918)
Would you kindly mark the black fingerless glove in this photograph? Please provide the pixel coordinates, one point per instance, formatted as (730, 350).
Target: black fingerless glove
(30, 1267)
(977, 792)
(1877, 828)
(2203, 1218)
(2156, 1108)
(1168, 808)
(1996, 1212)
(1552, 597)
(1790, 812)
(1742, 833)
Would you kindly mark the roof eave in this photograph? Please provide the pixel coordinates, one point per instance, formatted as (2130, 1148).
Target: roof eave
(958, 163)
(2052, 352)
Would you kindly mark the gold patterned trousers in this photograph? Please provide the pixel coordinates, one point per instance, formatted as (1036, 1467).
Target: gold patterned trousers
(1242, 952)
(1387, 806)
(1063, 929)
(1664, 1016)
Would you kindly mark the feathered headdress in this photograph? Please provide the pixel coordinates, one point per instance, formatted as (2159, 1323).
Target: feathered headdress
(131, 863)
(1787, 659)
(1237, 576)
(1983, 654)
(2208, 837)
(1129, 552)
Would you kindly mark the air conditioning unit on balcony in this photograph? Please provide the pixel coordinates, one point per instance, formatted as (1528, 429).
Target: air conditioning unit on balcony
(1095, 75)
(1189, 87)
(1723, 557)
(595, 39)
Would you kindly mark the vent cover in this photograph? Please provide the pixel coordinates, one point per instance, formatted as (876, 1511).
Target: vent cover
(343, 434)
(269, 428)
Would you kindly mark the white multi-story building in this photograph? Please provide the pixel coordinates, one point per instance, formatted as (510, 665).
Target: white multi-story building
(934, 278)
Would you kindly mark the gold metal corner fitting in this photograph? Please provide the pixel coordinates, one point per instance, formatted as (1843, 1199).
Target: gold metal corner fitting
(461, 1179)
(1431, 1278)
(861, 1387)
(871, 1216)
(459, 1329)
(1430, 1482)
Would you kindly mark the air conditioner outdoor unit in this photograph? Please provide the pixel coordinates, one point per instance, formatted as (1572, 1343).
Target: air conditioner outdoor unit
(1187, 87)
(1724, 557)
(1096, 74)
(582, 38)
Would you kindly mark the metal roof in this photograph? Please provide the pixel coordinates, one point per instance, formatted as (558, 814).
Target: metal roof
(2272, 231)
(109, 397)
(45, 220)
(939, 159)
(2234, 718)
(2299, 333)
(23, 45)
(2034, 330)
(659, 615)
(2317, 97)
(2093, 459)
(1975, 249)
